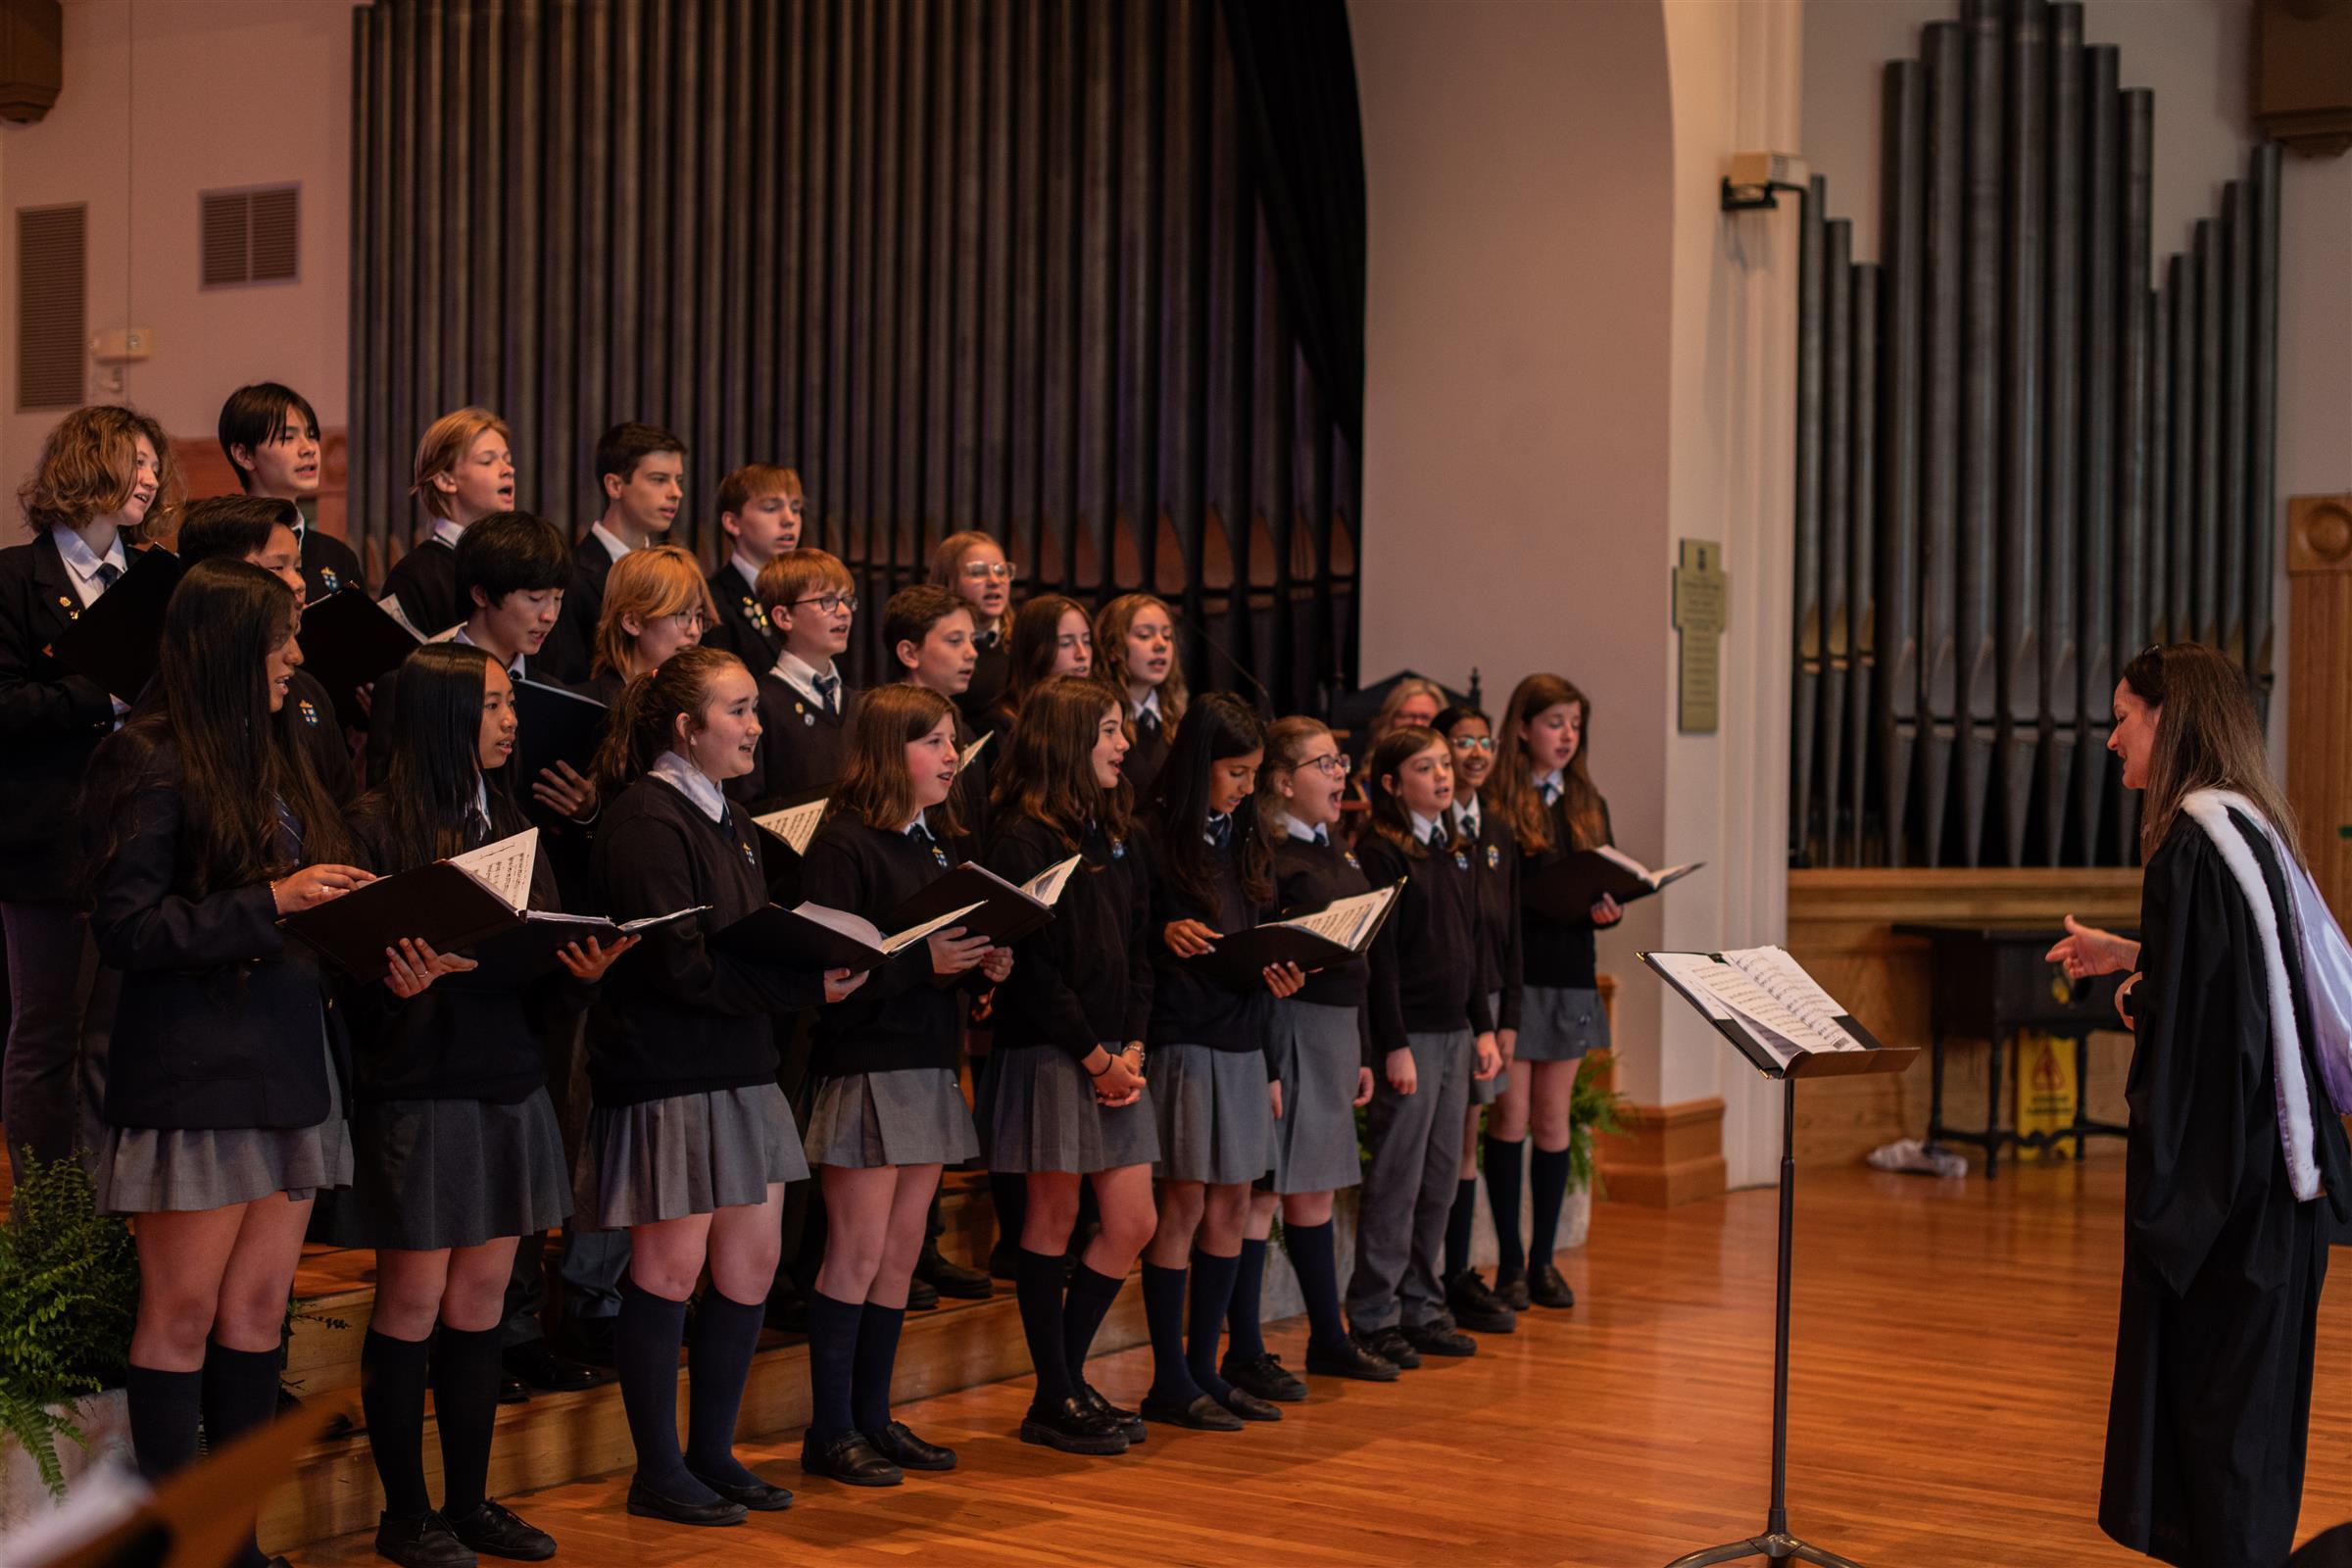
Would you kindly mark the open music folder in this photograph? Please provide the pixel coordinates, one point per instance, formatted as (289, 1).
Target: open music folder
(816, 936)
(1777, 1016)
(993, 907)
(1317, 939)
(1566, 889)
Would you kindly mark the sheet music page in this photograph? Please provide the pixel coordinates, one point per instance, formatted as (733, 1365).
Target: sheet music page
(1686, 968)
(504, 867)
(646, 922)
(915, 933)
(1046, 887)
(1737, 990)
(972, 751)
(390, 606)
(843, 921)
(558, 918)
(1617, 857)
(796, 825)
(1786, 982)
(1346, 921)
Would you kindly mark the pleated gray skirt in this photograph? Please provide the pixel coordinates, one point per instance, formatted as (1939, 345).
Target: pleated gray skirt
(1560, 1023)
(435, 1173)
(162, 1170)
(1486, 1092)
(913, 1117)
(1317, 1049)
(688, 1155)
(1047, 1117)
(1216, 1119)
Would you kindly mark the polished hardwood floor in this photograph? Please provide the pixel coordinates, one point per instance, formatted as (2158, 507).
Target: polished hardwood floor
(1950, 1374)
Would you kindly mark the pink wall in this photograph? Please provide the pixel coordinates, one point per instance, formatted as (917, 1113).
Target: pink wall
(163, 99)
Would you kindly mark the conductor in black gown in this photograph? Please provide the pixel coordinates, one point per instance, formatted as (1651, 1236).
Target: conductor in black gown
(2237, 1172)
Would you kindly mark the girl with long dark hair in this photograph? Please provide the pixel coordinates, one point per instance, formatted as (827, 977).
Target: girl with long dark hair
(1051, 637)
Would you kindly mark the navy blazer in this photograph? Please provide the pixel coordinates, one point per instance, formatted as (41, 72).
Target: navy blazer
(51, 721)
(221, 1021)
(742, 627)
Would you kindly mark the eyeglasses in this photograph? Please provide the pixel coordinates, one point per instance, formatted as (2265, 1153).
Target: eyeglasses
(688, 619)
(1334, 765)
(829, 603)
(982, 570)
(1475, 743)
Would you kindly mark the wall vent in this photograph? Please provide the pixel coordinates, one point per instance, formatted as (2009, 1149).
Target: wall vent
(53, 314)
(249, 236)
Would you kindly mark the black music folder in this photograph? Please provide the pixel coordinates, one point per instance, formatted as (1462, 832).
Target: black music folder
(347, 641)
(552, 725)
(1004, 913)
(1776, 1014)
(1566, 889)
(450, 903)
(811, 936)
(118, 641)
(1315, 940)
(525, 952)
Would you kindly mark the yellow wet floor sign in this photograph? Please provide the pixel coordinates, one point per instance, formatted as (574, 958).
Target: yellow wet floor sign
(2047, 1091)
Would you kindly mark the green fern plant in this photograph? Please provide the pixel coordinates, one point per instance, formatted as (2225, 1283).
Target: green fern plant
(1593, 1108)
(69, 1298)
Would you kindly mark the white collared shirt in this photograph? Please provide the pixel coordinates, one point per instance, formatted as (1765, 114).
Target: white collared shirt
(1466, 813)
(1423, 826)
(1547, 784)
(457, 634)
(1149, 705)
(692, 782)
(745, 569)
(448, 532)
(801, 677)
(82, 562)
(607, 538)
(1304, 834)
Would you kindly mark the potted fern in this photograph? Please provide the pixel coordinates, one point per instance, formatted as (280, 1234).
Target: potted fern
(69, 1297)
(1593, 1108)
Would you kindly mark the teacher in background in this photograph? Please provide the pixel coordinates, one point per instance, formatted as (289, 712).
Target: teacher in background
(2236, 1167)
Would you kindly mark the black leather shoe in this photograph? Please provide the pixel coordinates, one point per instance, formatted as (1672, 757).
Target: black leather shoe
(424, 1541)
(1201, 1414)
(952, 1279)
(1511, 1291)
(1545, 1288)
(754, 1495)
(493, 1530)
(1475, 1307)
(513, 1390)
(898, 1443)
(1390, 1346)
(647, 1503)
(1431, 1339)
(853, 1460)
(1129, 1422)
(1249, 1406)
(1266, 1376)
(538, 1365)
(1350, 1358)
(1073, 1425)
(589, 1341)
(922, 1295)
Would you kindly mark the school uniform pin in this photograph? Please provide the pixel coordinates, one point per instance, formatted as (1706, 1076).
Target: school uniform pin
(329, 579)
(1349, 856)
(753, 611)
(65, 602)
(941, 856)
(1118, 849)
(1493, 856)
(1461, 862)
(310, 712)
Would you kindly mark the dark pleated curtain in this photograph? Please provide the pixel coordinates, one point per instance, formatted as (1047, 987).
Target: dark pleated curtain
(968, 265)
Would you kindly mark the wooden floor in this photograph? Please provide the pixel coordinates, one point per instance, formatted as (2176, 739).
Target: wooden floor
(1951, 1362)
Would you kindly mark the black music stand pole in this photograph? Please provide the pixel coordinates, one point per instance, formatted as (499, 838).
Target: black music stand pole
(1776, 1544)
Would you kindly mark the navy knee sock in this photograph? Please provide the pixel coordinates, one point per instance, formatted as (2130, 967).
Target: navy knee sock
(870, 1371)
(645, 1347)
(1082, 1313)
(1212, 1296)
(1008, 1191)
(727, 1333)
(1242, 1318)
(1163, 1310)
(1458, 1224)
(832, 1347)
(1502, 1196)
(1038, 1286)
(1315, 1259)
(239, 1393)
(465, 1378)
(165, 1411)
(1547, 1181)
(392, 1377)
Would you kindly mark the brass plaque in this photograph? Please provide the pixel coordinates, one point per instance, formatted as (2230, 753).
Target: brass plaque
(1702, 594)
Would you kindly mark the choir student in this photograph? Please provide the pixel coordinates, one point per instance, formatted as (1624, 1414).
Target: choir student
(805, 700)
(1051, 636)
(1431, 1034)
(641, 479)
(1544, 789)
(889, 1109)
(656, 602)
(464, 472)
(690, 1142)
(760, 513)
(1070, 1101)
(1413, 701)
(972, 566)
(259, 531)
(270, 436)
(1135, 648)
(1213, 1087)
(103, 472)
(458, 1150)
(1494, 866)
(929, 633)
(203, 826)
(1322, 1052)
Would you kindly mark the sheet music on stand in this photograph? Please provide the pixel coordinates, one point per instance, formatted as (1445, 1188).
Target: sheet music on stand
(1777, 1015)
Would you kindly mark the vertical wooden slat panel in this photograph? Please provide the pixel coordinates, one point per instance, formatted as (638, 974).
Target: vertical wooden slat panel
(1941, 717)
(1837, 478)
(2061, 435)
(1902, 220)
(2236, 263)
(2262, 424)
(2109, 408)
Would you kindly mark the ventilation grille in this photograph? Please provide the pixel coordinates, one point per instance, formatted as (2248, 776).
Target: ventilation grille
(249, 236)
(52, 305)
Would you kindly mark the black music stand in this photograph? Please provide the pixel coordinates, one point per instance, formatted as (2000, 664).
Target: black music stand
(1776, 1544)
